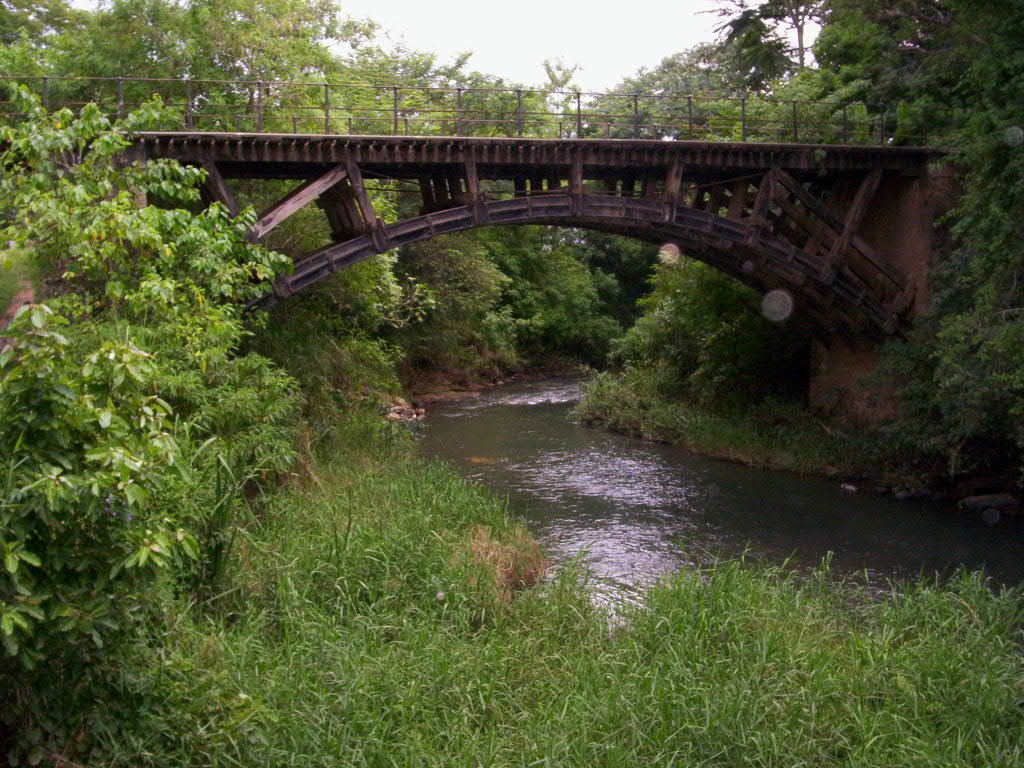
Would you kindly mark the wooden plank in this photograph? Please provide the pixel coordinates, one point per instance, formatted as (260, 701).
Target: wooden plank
(297, 199)
(216, 189)
(855, 215)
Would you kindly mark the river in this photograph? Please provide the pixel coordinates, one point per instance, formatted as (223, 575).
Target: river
(635, 511)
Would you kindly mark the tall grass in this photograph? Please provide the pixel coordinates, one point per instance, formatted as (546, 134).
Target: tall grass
(360, 623)
(771, 435)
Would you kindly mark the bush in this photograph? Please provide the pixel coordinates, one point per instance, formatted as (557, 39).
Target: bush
(128, 423)
(702, 336)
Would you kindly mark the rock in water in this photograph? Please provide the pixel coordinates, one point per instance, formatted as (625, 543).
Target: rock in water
(991, 506)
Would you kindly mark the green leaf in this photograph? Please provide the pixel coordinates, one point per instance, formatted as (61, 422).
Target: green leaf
(105, 417)
(136, 495)
(11, 563)
(26, 556)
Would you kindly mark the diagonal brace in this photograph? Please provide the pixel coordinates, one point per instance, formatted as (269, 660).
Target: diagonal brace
(297, 199)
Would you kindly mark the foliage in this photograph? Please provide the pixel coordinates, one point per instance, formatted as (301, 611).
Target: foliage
(360, 628)
(773, 434)
(127, 423)
(961, 372)
(702, 337)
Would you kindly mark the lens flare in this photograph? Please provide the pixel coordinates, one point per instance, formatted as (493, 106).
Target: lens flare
(669, 254)
(777, 305)
(1014, 136)
(747, 267)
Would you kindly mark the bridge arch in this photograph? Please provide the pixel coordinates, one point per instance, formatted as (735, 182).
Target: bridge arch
(801, 217)
(830, 302)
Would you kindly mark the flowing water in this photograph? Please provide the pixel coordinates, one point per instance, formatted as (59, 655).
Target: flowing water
(636, 510)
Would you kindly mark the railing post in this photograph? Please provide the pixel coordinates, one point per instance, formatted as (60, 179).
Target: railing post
(579, 117)
(188, 104)
(796, 123)
(636, 116)
(743, 118)
(846, 127)
(259, 106)
(327, 108)
(46, 92)
(689, 116)
(120, 98)
(394, 97)
(458, 111)
(519, 111)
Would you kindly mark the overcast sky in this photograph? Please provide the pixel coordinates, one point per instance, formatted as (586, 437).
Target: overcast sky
(608, 40)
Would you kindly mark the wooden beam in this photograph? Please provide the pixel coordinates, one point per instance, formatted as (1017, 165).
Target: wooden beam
(854, 216)
(738, 201)
(216, 189)
(763, 200)
(576, 184)
(355, 177)
(297, 199)
(476, 199)
(673, 179)
(375, 225)
(339, 204)
(427, 193)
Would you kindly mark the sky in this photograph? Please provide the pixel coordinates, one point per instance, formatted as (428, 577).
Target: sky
(609, 40)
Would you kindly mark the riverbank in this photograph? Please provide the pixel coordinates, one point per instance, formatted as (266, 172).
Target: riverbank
(379, 611)
(774, 436)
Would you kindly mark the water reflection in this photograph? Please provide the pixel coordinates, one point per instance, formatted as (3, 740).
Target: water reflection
(639, 510)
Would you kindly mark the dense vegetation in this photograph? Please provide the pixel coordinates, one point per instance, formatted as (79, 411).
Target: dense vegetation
(215, 550)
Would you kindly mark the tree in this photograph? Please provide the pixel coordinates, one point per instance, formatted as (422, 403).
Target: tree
(759, 36)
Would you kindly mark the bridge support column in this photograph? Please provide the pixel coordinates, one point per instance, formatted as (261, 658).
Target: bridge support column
(900, 225)
(841, 382)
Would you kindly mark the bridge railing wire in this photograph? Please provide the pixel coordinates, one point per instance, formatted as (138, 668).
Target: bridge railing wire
(324, 108)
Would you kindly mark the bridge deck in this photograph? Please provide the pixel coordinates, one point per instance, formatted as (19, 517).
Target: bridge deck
(265, 155)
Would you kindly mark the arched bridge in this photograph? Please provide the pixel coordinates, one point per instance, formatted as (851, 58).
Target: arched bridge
(845, 229)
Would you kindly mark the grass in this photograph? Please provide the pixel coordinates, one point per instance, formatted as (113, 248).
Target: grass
(375, 614)
(771, 436)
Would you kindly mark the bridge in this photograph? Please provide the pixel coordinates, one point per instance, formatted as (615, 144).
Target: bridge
(815, 199)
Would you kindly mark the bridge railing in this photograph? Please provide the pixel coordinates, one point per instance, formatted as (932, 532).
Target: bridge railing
(365, 109)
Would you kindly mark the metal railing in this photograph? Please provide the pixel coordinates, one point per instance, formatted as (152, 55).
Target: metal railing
(363, 109)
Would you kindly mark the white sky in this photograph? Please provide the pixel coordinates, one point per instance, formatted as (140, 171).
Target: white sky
(608, 39)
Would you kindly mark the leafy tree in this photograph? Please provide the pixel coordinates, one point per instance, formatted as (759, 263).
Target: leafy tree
(127, 423)
(756, 36)
(37, 19)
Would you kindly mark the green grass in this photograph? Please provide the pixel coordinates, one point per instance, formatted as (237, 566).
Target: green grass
(771, 435)
(14, 268)
(360, 623)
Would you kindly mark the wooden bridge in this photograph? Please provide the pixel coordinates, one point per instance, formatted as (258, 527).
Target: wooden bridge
(846, 230)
